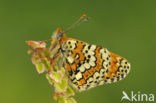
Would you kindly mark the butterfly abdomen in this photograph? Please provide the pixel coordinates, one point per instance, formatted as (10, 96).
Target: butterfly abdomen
(118, 70)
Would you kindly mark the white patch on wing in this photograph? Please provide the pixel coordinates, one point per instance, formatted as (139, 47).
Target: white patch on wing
(70, 59)
(86, 65)
(93, 47)
(78, 76)
(92, 58)
(81, 68)
(96, 75)
(90, 80)
(69, 45)
(91, 52)
(92, 63)
(102, 51)
(102, 71)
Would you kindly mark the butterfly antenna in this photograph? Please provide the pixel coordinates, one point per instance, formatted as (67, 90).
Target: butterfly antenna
(78, 22)
(82, 19)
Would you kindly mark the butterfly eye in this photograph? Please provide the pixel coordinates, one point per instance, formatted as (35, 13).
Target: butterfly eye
(59, 35)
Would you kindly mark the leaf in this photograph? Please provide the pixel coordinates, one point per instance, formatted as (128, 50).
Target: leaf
(69, 91)
(46, 63)
(56, 76)
(36, 44)
(34, 58)
(40, 67)
(37, 62)
(51, 81)
(71, 100)
(62, 99)
(61, 86)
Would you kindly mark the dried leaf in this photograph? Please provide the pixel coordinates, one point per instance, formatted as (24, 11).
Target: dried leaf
(36, 44)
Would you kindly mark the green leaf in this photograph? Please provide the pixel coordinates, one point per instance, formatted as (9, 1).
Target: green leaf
(46, 63)
(38, 64)
(71, 100)
(35, 58)
(56, 76)
(62, 99)
(61, 86)
(69, 91)
(40, 67)
(51, 81)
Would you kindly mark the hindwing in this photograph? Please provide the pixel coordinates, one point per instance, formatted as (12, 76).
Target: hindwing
(87, 65)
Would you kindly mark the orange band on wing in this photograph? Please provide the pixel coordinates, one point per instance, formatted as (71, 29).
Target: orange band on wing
(68, 67)
(74, 66)
(78, 51)
(98, 56)
(81, 82)
(86, 75)
(113, 68)
(91, 71)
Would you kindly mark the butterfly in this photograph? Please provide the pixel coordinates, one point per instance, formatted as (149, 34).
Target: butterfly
(86, 65)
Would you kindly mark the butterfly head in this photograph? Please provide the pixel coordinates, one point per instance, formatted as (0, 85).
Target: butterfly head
(57, 34)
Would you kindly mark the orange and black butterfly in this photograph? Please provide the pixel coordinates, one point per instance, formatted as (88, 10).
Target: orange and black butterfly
(87, 65)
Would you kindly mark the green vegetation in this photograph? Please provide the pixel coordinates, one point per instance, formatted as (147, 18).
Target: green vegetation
(56, 76)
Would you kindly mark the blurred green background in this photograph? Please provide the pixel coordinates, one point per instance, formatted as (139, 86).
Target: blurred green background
(125, 27)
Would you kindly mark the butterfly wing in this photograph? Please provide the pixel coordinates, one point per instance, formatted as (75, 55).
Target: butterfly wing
(90, 65)
(119, 69)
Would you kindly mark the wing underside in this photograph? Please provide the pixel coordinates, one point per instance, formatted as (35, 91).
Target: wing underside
(90, 65)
